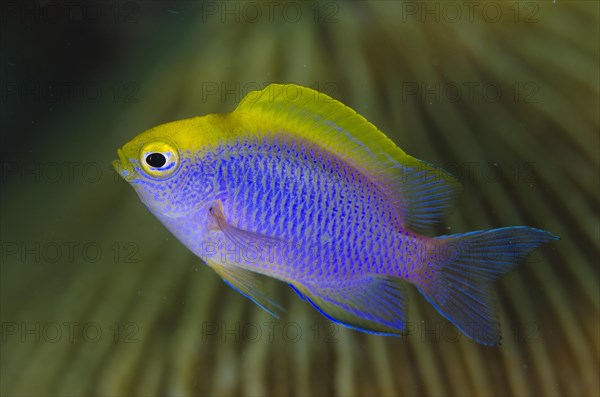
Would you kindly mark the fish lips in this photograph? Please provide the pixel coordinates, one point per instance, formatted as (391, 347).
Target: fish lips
(124, 167)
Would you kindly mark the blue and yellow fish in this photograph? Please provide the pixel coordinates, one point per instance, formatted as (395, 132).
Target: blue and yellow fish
(296, 186)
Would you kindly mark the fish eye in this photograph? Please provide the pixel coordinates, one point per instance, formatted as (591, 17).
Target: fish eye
(159, 159)
(156, 160)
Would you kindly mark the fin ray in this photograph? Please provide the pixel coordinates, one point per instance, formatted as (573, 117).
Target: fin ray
(373, 304)
(462, 287)
(249, 284)
(237, 236)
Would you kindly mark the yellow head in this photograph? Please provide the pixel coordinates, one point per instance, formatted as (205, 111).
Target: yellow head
(165, 164)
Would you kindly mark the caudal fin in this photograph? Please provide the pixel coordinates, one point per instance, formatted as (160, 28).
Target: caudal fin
(461, 287)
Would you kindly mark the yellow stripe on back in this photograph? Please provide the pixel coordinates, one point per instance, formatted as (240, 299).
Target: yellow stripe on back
(322, 120)
(421, 192)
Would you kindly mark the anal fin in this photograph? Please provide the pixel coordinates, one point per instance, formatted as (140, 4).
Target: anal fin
(249, 284)
(372, 303)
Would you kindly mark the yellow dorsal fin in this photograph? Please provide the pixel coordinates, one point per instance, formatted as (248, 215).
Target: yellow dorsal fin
(421, 192)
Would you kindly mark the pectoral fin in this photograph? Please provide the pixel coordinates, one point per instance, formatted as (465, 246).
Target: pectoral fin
(374, 304)
(237, 236)
(248, 284)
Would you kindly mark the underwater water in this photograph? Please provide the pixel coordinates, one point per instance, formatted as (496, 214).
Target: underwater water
(99, 299)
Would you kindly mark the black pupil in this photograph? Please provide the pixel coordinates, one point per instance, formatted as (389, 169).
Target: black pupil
(156, 160)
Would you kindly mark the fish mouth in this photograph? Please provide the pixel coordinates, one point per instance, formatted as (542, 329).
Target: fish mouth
(123, 166)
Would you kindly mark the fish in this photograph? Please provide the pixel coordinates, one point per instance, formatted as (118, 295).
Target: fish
(296, 186)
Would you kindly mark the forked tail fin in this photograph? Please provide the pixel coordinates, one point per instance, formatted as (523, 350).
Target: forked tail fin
(461, 286)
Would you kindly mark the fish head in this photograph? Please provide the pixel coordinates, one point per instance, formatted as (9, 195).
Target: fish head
(170, 167)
